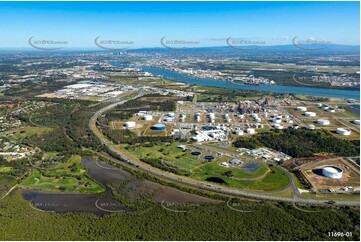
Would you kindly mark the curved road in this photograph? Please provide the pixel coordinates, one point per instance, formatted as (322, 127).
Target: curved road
(196, 183)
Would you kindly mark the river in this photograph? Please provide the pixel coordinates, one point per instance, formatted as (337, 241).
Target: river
(310, 91)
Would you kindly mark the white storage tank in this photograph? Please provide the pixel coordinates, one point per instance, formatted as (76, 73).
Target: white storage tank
(323, 122)
(239, 132)
(310, 114)
(356, 121)
(330, 110)
(261, 126)
(148, 117)
(343, 131)
(171, 115)
(277, 120)
(141, 113)
(278, 126)
(183, 117)
(130, 124)
(311, 127)
(333, 172)
(251, 131)
(211, 115)
(303, 109)
(168, 119)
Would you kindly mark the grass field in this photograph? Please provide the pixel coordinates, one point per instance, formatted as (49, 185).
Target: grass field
(265, 178)
(322, 114)
(342, 197)
(22, 133)
(5, 169)
(69, 177)
(169, 154)
(298, 182)
(273, 180)
(213, 169)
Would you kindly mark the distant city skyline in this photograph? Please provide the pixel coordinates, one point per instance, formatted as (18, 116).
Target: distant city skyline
(203, 24)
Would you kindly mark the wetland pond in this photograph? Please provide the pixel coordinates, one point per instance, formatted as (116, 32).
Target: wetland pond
(124, 183)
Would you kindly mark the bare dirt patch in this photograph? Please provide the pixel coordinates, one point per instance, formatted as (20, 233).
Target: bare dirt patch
(313, 173)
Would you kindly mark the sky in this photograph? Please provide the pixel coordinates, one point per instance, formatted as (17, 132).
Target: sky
(144, 24)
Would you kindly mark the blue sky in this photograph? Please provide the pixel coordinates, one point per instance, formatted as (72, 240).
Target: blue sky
(145, 23)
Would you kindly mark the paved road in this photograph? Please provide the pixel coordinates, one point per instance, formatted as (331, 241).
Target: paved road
(195, 183)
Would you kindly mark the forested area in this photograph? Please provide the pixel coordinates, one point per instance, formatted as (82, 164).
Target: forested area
(301, 142)
(205, 222)
(69, 123)
(17, 169)
(160, 104)
(125, 136)
(115, 116)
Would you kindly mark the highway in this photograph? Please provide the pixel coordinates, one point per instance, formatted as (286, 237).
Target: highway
(146, 168)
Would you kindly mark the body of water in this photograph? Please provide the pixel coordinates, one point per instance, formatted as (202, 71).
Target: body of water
(311, 91)
(98, 203)
(62, 202)
(133, 189)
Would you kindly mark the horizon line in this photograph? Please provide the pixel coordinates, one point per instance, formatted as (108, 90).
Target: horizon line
(165, 48)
